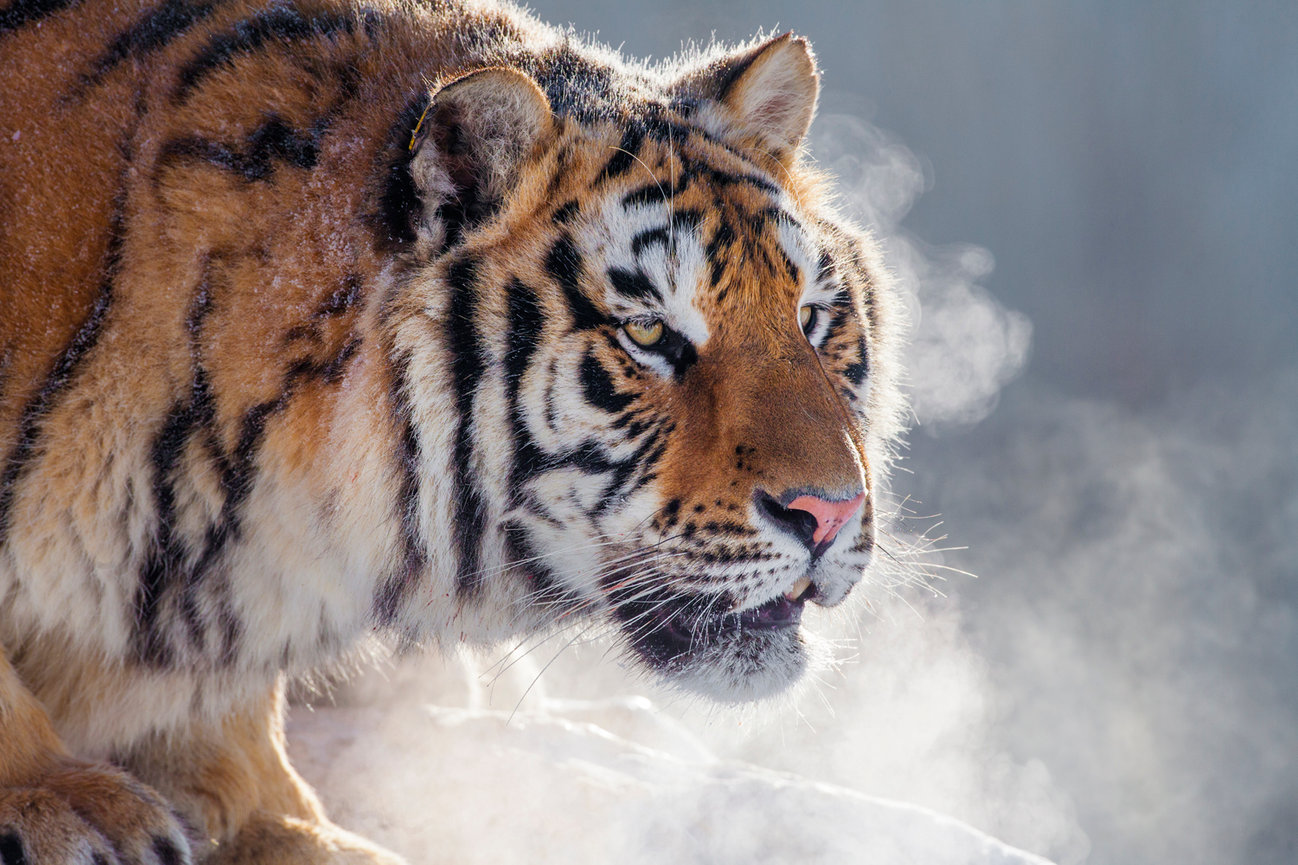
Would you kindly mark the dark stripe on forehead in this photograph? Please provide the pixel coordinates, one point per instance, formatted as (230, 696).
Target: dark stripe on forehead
(281, 24)
(467, 366)
(650, 193)
(722, 239)
(20, 13)
(825, 266)
(727, 178)
(564, 265)
(683, 220)
(782, 216)
(686, 219)
(564, 214)
(633, 284)
(649, 237)
(624, 155)
(151, 33)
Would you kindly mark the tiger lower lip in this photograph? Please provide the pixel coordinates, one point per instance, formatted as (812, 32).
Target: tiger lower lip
(782, 612)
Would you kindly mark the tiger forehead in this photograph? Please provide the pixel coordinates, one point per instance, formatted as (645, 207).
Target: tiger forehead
(668, 218)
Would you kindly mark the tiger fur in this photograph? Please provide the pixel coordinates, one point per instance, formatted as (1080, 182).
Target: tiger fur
(321, 318)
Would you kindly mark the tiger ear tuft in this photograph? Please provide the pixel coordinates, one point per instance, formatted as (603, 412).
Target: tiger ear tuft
(767, 93)
(477, 133)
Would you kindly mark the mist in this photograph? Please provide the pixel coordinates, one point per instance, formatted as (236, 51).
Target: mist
(1091, 212)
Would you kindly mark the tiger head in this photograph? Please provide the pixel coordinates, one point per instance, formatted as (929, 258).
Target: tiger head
(670, 360)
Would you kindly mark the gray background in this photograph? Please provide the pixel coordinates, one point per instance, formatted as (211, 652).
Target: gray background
(1131, 504)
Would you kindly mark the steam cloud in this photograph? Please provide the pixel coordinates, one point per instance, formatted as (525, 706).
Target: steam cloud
(965, 346)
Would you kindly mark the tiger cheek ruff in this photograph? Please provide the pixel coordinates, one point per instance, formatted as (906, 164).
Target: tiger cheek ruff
(324, 318)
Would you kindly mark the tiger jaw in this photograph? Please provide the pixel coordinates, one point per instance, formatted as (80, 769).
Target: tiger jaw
(703, 644)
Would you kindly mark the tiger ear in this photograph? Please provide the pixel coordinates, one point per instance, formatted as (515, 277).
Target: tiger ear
(477, 133)
(767, 93)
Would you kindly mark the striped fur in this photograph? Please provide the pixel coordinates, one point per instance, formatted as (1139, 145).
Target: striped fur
(319, 317)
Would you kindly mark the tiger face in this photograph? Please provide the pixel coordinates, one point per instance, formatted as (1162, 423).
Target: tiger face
(684, 370)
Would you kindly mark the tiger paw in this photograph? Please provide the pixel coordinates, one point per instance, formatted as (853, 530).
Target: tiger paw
(81, 814)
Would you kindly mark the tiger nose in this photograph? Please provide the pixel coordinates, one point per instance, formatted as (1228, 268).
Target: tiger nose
(812, 520)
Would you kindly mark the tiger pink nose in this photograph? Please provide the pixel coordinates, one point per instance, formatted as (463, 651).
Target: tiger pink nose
(829, 516)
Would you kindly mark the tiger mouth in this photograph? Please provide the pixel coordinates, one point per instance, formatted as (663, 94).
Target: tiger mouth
(667, 629)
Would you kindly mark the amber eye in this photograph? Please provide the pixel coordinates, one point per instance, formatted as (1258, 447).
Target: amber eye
(807, 318)
(644, 333)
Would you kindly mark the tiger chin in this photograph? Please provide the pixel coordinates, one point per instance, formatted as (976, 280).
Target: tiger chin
(324, 319)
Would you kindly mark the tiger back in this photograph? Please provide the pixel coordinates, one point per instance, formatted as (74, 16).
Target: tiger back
(327, 318)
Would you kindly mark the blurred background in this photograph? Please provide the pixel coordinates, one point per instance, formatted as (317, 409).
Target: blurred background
(1094, 208)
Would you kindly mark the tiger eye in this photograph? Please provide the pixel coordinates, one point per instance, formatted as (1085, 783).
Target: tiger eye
(804, 316)
(644, 334)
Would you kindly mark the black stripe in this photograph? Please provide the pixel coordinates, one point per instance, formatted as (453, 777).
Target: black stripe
(588, 458)
(727, 178)
(62, 373)
(857, 371)
(20, 13)
(11, 850)
(546, 587)
(564, 265)
(153, 32)
(248, 36)
(165, 564)
(167, 852)
(400, 206)
(644, 458)
(272, 141)
(393, 592)
(238, 475)
(825, 266)
(686, 218)
(565, 213)
(526, 326)
(467, 365)
(650, 193)
(633, 284)
(598, 386)
(648, 237)
(624, 155)
(722, 238)
(683, 220)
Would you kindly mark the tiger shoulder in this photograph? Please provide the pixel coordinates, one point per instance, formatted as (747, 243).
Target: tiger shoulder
(322, 319)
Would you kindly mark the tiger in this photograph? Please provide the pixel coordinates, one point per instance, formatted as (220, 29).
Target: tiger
(327, 321)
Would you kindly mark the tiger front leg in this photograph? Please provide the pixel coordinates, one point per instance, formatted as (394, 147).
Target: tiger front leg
(55, 810)
(234, 782)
